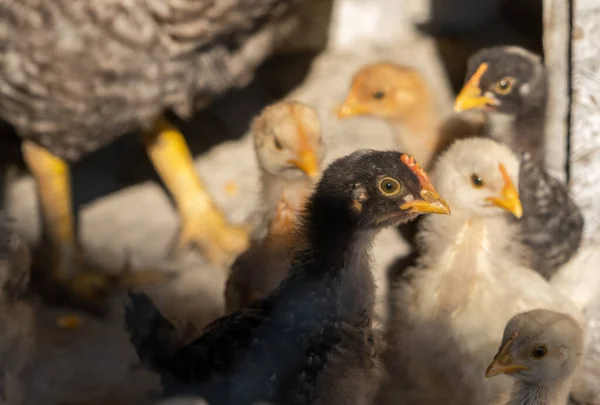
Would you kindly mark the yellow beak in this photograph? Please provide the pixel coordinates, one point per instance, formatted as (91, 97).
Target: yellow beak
(470, 96)
(431, 203)
(503, 361)
(307, 162)
(510, 196)
(351, 108)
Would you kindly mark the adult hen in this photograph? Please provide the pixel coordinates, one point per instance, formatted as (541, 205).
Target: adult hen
(289, 150)
(468, 282)
(311, 341)
(74, 76)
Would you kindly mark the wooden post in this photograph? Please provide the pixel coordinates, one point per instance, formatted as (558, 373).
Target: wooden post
(584, 154)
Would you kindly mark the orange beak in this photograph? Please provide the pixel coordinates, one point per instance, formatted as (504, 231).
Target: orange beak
(351, 108)
(503, 361)
(430, 201)
(510, 196)
(307, 162)
(470, 97)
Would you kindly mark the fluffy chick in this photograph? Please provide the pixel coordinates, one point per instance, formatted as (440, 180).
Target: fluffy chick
(540, 350)
(16, 315)
(311, 341)
(450, 308)
(401, 96)
(509, 84)
(289, 149)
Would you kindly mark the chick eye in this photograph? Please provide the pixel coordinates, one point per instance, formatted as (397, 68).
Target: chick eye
(539, 352)
(389, 186)
(278, 144)
(477, 180)
(379, 94)
(504, 85)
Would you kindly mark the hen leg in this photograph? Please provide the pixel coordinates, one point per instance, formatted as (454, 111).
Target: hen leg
(85, 289)
(202, 224)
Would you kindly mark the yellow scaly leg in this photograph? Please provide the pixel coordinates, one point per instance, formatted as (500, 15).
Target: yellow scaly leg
(202, 223)
(53, 180)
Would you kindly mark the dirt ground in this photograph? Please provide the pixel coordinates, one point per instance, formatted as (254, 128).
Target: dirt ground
(124, 212)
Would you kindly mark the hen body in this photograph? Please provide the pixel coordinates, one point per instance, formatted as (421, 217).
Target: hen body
(76, 75)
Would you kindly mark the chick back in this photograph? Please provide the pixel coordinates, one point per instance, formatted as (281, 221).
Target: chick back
(75, 75)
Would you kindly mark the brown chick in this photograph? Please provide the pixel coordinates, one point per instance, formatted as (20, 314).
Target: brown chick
(401, 96)
(540, 350)
(289, 149)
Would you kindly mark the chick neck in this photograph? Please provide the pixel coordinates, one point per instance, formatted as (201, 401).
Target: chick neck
(337, 254)
(554, 393)
(273, 188)
(418, 135)
(461, 248)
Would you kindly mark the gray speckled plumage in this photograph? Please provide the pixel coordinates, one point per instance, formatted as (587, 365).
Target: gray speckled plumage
(552, 225)
(76, 74)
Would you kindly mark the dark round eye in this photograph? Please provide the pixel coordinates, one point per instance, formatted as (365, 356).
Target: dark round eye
(539, 352)
(504, 86)
(477, 180)
(379, 94)
(389, 186)
(278, 144)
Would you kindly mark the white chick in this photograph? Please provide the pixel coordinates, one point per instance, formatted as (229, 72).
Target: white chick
(468, 281)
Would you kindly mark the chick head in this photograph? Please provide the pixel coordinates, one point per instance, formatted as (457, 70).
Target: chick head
(479, 177)
(288, 140)
(385, 90)
(538, 347)
(503, 79)
(379, 188)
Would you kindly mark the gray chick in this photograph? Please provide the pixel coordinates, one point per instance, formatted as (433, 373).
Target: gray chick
(74, 77)
(289, 150)
(16, 315)
(509, 86)
(540, 350)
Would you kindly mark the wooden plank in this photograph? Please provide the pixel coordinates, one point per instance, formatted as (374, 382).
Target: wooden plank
(556, 57)
(585, 115)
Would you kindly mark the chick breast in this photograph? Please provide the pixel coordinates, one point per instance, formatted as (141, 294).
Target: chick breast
(76, 74)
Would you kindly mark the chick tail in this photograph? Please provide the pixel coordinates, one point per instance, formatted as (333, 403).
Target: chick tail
(579, 278)
(154, 338)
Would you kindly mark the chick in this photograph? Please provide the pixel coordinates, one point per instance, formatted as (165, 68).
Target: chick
(468, 282)
(552, 225)
(509, 84)
(289, 150)
(311, 341)
(16, 315)
(400, 96)
(540, 350)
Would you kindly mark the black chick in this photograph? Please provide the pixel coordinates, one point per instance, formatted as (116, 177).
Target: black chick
(312, 339)
(16, 316)
(509, 85)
